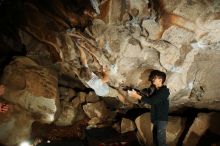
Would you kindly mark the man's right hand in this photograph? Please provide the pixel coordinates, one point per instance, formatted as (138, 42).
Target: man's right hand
(132, 93)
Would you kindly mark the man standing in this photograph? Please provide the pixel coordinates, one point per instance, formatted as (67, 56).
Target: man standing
(159, 106)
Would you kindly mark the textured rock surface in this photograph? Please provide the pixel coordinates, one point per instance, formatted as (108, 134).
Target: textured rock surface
(92, 97)
(15, 126)
(66, 93)
(203, 123)
(127, 125)
(67, 116)
(32, 87)
(96, 110)
(129, 39)
(143, 124)
(175, 128)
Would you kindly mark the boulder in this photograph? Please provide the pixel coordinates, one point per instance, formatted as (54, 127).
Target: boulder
(144, 126)
(127, 125)
(202, 123)
(67, 116)
(97, 109)
(32, 87)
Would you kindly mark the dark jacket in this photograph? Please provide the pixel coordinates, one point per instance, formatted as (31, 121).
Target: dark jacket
(159, 104)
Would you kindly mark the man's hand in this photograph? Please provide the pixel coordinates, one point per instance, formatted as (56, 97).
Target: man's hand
(121, 98)
(132, 93)
(3, 108)
(105, 73)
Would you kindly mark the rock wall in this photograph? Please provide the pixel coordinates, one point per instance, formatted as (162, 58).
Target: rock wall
(15, 126)
(132, 38)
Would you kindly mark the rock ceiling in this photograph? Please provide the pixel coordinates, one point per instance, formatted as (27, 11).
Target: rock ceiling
(131, 38)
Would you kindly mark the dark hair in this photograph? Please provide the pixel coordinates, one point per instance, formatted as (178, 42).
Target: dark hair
(157, 73)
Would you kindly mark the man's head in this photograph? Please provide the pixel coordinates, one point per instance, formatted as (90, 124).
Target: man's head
(157, 78)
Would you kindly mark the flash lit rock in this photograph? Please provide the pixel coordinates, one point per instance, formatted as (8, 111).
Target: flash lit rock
(25, 143)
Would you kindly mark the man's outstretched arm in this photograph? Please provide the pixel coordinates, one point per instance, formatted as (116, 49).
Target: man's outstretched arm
(83, 58)
(156, 98)
(153, 99)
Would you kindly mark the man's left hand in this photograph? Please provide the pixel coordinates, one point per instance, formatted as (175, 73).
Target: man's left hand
(132, 93)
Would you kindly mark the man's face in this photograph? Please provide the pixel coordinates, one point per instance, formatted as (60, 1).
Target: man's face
(157, 81)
